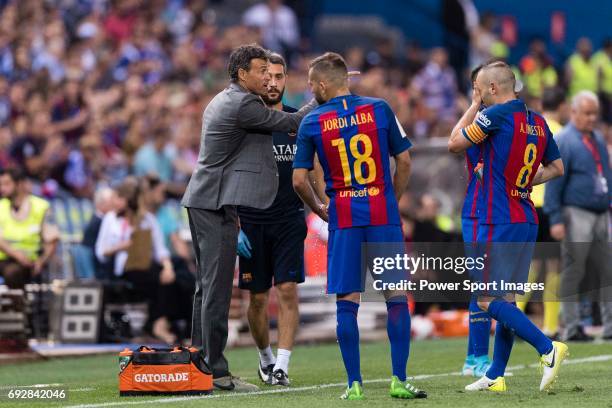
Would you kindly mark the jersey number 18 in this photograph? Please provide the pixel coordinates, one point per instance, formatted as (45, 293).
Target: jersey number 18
(360, 158)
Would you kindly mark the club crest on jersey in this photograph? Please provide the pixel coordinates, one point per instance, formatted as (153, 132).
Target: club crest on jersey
(482, 118)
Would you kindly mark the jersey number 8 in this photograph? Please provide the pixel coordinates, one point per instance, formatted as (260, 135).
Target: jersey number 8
(529, 158)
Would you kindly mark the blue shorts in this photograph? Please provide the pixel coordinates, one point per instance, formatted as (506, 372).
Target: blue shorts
(508, 249)
(345, 271)
(469, 228)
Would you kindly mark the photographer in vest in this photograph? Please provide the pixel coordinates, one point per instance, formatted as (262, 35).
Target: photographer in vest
(28, 237)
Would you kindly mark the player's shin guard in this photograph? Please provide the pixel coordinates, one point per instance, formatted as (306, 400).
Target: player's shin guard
(347, 332)
(504, 340)
(398, 330)
(480, 327)
(509, 315)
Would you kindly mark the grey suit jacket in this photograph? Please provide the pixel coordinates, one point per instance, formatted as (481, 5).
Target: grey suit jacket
(236, 163)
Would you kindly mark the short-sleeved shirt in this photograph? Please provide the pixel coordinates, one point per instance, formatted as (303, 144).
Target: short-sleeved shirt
(353, 137)
(287, 205)
(514, 141)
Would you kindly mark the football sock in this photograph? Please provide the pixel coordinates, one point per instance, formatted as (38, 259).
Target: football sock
(266, 356)
(504, 339)
(398, 330)
(479, 330)
(282, 360)
(348, 338)
(509, 315)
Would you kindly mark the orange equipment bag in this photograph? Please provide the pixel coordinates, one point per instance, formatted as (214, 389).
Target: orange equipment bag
(177, 371)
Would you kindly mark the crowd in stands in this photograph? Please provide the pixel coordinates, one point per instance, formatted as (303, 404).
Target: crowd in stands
(93, 91)
(102, 100)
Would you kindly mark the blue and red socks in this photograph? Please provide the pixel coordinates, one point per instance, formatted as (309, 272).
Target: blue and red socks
(398, 330)
(347, 332)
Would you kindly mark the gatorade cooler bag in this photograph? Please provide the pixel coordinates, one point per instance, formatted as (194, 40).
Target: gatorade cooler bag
(177, 371)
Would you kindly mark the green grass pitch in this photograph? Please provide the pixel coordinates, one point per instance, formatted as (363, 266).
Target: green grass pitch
(317, 378)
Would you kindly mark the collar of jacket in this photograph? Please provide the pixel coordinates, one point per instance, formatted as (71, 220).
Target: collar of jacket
(238, 87)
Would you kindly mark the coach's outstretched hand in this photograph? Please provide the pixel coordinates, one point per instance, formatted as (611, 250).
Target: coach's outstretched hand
(244, 246)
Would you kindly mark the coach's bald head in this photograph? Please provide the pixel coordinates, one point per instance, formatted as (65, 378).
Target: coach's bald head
(328, 76)
(496, 83)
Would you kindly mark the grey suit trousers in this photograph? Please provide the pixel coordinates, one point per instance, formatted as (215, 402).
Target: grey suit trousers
(214, 234)
(584, 251)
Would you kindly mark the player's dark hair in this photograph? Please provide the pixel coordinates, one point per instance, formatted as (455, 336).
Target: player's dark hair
(241, 58)
(15, 173)
(277, 59)
(552, 98)
(332, 65)
(475, 71)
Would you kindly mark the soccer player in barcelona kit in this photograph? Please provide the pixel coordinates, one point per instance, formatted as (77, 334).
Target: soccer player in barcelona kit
(514, 142)
(353, 138)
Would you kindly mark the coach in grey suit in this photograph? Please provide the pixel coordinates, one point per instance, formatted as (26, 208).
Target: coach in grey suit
(236, 166)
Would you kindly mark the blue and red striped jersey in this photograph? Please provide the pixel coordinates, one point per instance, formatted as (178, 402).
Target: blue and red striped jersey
(474, 186)
(353, 137)
(514, 141)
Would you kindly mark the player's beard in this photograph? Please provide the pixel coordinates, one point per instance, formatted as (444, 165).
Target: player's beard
(319, 98)
(273, 101)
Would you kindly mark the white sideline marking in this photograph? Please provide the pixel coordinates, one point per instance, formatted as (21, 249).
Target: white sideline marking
(592, 359)
(7, 387)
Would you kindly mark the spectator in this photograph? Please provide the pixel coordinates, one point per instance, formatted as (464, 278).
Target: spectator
(69, 112)
(6, 140)
(121, 19)
(142, 54)
(182, 290)
(278, 24)
(483, 38)
(132, 238)
(28, 236)
(84, 166)
(603, 63)
(578, 204)
(156, 156)
(39, 149)
(537, 70)
(580, 71)
(436, 85)
(104, 202)
(5, 102)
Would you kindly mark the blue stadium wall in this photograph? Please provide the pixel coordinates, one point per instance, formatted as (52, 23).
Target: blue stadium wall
(420, 19)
